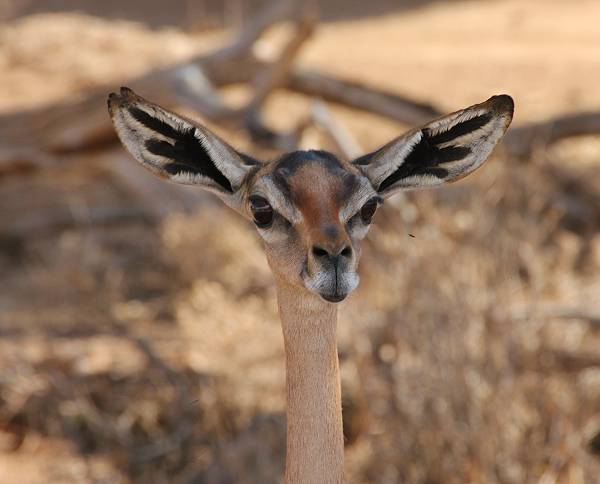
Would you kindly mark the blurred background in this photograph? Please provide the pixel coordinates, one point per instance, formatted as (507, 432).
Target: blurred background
(139, 339)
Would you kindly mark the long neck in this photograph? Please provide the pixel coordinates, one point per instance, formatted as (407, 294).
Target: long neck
(315, 440)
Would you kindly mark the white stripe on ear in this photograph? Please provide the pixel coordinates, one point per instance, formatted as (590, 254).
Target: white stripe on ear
(442, 151)
(175, 148)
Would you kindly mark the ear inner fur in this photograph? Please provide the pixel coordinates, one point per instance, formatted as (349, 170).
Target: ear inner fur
(461, 129)
(442, 151)
(189, 157)
(423, 159)
(174, 147)
(187, 153)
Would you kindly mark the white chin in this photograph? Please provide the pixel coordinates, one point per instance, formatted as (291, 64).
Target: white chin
(324, 285)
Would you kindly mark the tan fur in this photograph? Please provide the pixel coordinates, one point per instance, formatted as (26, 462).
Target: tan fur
(317, 194)
(315, 441)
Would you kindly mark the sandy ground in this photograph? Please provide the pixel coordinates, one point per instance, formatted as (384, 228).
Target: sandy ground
(453, 367)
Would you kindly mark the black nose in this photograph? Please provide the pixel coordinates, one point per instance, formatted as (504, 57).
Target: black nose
(323, 254)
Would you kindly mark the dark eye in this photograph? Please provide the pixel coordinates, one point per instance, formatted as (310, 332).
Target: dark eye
(368, 210)
(261, 211)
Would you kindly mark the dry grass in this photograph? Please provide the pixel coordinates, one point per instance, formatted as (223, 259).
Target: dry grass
(144, 353)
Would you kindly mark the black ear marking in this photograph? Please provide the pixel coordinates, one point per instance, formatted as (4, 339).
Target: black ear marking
(186, 151)
(177, 148)
(443, 151)
(425, 157)
(189, 156)
(153, 123)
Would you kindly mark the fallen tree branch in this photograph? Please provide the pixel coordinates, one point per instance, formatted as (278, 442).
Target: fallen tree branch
(360, 96)
(84, 124)
(591, 317)
(194, 90)
(575, 198)
(51, 221)
(567, 361)
(520, 141)
(276, 74)
(156, 198)
(340, 136)
(276, 11)
(267, 80)
(17, 160)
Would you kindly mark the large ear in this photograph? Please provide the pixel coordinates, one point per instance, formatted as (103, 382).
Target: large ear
(175, 148)
(442, 151)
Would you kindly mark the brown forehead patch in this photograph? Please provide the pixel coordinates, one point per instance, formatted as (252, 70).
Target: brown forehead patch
(298, 174)
(313, 184)
(319, 192)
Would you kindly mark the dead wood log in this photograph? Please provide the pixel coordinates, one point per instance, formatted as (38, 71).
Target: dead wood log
(271, 77)
(51, 221)
(577, 314)
(198, 90)
(194, 90)
(274, 12)
(341, 137)
(19, 160)
(520, 141)
(156, 198)
(560, 360)
(276, 74)
(576, 198)
(83, 124)
(360, 96)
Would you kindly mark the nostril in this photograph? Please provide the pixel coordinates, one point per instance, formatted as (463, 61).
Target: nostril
(347, 251)
(319, 252)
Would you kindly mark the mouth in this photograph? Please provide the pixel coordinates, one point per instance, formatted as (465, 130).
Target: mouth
(333, 298)
(330, 289)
